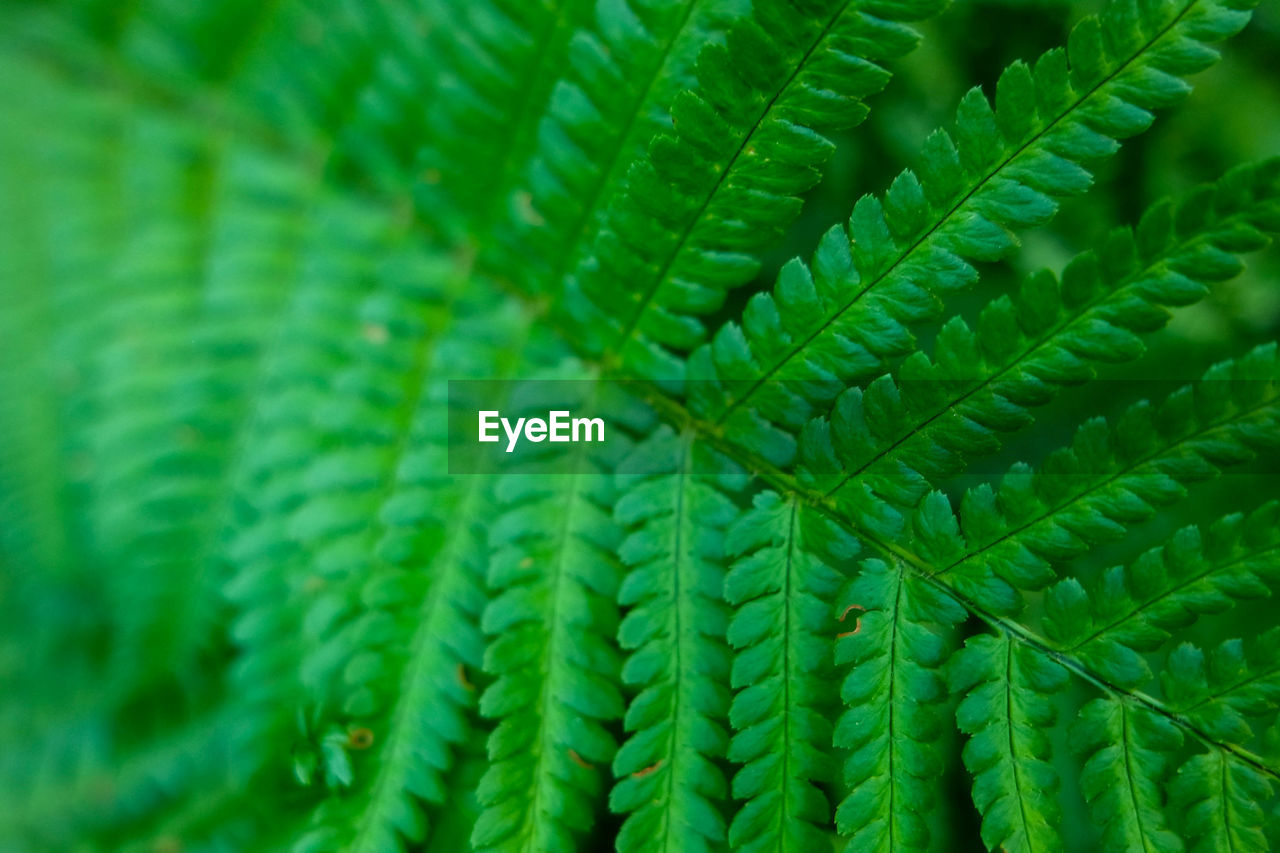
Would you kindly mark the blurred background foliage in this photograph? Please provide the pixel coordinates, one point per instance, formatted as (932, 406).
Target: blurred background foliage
(111, 725)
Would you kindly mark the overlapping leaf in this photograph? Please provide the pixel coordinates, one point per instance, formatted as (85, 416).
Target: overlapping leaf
(836, 320)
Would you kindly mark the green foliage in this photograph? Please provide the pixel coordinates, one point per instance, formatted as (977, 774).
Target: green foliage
(549, 622)
(828, 585)
(667, 770)
(1002, 169)
(780, 585)
(1126, 748)
(1006, 710)
(893, 694)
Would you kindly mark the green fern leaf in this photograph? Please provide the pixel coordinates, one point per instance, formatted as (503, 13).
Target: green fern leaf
(1134, 609)
(1004, 170)
(893, 695)
(782, 626)
(281, 586)
(902, 437)
(1221, 691)
(719, 188)
(1007, 708)
(412, 638)
(669, 781)
(1220, 801)
(1126, 750)
(1112, 477)
(635, 56)
(554, 580)
(501, 59)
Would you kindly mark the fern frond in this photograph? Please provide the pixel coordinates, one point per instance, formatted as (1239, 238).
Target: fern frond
(598, 120)
(51, 198)
(248, 603)
(154, 476)
(837, 320)
(411, 638)
(101, 787)
(781, 585)
(1126, 750)
(1221, 691)
(723, 184)
(354, 94)
(500, 60)
(893, 695)
(287, 536)
(669, 781)
(1221, 803)
(411, 751)
(365, 423)
(1133, 610)
(1112, 477)
(902, 434)
(1007, 709)
(554, 579)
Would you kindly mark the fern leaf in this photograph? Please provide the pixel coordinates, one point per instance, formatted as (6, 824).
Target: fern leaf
(502, 59)
(1221, 803)
(893, 695)
(901, 436)
(1006, 710)
(150, 488)
(1221, 691)
(1133, 610)
(669, 782)
(364, 423)
(50, 816)
(838, 320)
(1126, 752)
(411, 637)
(781, 585)
(294, 512)
(550, 623)
(356, 94)
(598, 119)
(721, 186)
(1112, 477)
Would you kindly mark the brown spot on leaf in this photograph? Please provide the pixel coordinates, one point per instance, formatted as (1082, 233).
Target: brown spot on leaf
(643, 772)
(857, 625)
